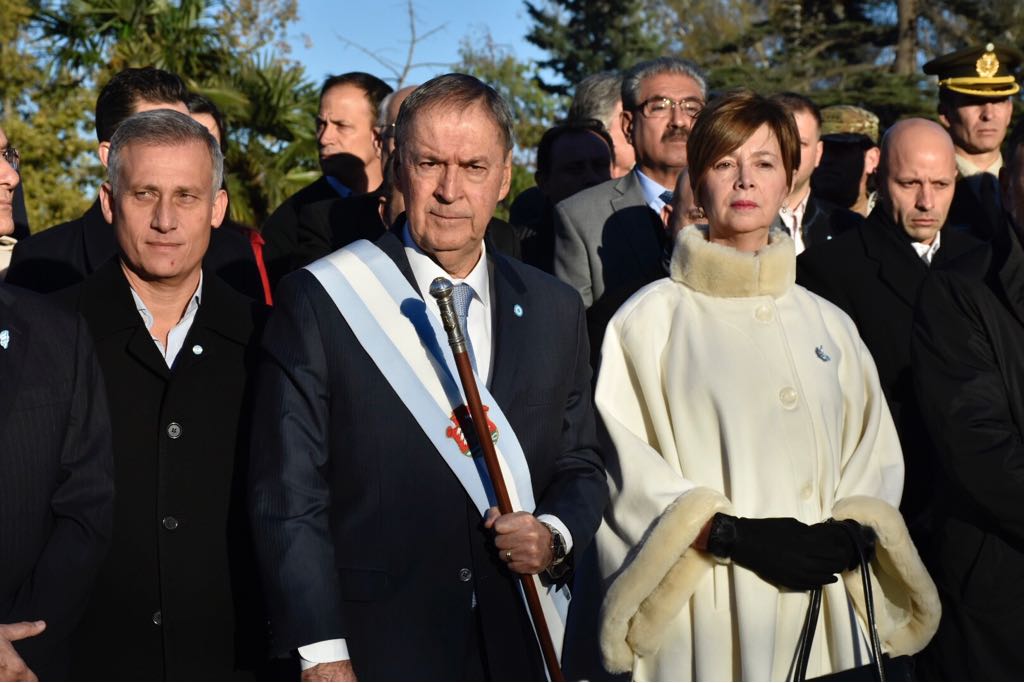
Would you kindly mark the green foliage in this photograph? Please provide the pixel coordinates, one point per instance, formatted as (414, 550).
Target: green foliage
(42, 114)
(587, 36)
(533, 109)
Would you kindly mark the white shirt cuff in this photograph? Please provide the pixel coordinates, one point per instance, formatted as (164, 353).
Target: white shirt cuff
(561, 528)
(325, 651)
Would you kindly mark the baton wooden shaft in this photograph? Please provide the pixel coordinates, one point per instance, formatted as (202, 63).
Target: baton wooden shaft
(476, 411)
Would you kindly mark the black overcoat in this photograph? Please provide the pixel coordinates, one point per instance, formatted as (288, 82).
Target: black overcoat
(363, 531)
(176, 596)
(969, 374)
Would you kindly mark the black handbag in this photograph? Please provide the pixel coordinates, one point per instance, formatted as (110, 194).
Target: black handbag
(882, 666)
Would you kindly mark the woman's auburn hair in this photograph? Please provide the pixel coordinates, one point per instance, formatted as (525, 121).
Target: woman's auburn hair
(728, 121)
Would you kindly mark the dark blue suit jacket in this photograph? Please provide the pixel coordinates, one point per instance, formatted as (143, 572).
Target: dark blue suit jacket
(56, 473)
(364, 532)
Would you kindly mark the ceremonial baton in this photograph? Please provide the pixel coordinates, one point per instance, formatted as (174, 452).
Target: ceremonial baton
(442, 290)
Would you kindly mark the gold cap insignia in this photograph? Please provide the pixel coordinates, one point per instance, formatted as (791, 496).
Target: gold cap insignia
(987, 65)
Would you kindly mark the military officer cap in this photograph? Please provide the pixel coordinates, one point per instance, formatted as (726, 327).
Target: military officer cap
(983, 71)
(844, 118)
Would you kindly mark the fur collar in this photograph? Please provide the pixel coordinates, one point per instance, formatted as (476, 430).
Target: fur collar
(721, 271)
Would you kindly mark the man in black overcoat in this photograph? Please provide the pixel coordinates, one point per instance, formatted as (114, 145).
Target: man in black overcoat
(377, 563)
(56, 481)
(66, 254)
(969, 376)
(176, 598)
(874, 274)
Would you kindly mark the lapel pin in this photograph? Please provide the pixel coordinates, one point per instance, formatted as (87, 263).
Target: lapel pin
(518, 310)
(820, 352)
(5, 338)
(197, 349)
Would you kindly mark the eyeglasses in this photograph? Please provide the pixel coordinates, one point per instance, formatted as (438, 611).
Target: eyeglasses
(11, 156)
(661, 107)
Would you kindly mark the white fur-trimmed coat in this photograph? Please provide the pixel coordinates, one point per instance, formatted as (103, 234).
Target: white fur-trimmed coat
(728, 387)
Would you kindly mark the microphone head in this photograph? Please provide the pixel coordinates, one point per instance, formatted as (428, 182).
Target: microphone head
(441, 288)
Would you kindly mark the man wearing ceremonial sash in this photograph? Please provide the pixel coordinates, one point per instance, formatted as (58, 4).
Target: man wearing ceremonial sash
(380, 550)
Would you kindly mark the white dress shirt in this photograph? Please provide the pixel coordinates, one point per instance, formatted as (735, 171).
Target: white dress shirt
(927, 251)
(478, 322)
(652, 191)
(794, 220)
(176, 337)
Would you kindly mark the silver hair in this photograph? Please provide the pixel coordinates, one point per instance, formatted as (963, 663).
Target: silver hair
(457, 91)
(596, 97)
(163, 127)
(633, 78)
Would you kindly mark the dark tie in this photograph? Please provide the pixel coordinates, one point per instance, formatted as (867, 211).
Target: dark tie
(462, 296)
(988, 195)
(666, 233)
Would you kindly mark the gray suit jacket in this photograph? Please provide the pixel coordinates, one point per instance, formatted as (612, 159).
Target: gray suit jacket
(607, 239)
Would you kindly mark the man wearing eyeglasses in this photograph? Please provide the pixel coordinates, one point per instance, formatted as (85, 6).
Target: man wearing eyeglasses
(611, 237)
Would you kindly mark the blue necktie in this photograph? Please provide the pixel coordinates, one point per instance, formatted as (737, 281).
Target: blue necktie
(462, 297)
(666, 196)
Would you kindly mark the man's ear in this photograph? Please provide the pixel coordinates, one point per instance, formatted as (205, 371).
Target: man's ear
(871, 159)
(626, 119)
(378, 140)
(220, 207)
(107, 202)
(943, 112)
(506, 173)
(103, 151)
(819, 149)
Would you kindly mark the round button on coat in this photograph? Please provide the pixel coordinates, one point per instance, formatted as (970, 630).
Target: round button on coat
(174, 430)
(465, 575)
(788, 397)
(158, 618)
(763, 313)
(170, 523)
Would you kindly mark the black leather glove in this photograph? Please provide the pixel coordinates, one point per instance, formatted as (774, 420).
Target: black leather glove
(787, 552)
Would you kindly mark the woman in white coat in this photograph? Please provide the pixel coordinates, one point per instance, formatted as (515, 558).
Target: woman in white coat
(743, 414)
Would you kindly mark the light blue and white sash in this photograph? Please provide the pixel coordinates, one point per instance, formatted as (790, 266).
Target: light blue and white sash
(410, 348)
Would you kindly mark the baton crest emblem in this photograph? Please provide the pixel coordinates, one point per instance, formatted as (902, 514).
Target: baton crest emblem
(461, 416)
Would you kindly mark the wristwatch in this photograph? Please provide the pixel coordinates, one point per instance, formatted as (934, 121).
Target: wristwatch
(558, 552)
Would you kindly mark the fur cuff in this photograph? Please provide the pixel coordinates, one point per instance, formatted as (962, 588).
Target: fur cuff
(657, 580)
(907, 606)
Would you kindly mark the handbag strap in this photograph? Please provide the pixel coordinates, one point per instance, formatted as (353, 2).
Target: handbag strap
(803, 647)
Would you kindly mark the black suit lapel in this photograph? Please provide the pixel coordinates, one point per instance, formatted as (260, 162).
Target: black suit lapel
(899, 266)
(14, 334)
(509, 311)
(107, 305)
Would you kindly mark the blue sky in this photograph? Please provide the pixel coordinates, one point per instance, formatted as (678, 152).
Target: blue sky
(382, 26)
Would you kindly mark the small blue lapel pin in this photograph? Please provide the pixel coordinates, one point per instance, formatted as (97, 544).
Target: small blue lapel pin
(5, 338)
(518, 310)
(820, 352)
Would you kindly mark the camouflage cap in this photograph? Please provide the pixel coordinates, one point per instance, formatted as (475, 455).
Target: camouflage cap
(982, 70)
(845, 118)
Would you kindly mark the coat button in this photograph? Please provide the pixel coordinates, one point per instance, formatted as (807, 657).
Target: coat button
(806, 492)
(174, 430)
(465, 575)
(763, 313)
(170, 523)
(788, 397)
(157, 618)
